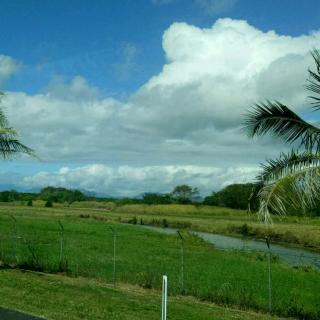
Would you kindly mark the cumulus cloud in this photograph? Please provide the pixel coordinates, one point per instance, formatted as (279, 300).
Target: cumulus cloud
(77, 90)
(214, 75)
(188, 114)
(133, 181)
(8, 67)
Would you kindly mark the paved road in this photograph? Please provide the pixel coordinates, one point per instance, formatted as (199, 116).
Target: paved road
(6, 314)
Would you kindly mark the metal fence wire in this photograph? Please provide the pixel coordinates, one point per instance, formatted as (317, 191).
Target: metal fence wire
(116, 253)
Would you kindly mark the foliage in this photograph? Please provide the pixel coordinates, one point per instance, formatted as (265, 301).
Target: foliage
(48, 204)
(9, 143)
(61, 195)
(234, 196)
(291, 182)
(156, 198)
(184, 194)
(13, 195)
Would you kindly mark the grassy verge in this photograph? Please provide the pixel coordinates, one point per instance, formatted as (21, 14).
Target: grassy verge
(302, 231)
(58, 297)
(297, 231)
(226, 278)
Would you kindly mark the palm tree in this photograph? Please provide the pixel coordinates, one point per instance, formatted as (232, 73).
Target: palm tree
(293, 179)
(9, 143)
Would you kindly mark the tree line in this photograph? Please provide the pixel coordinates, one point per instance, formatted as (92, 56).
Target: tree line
(233, 196)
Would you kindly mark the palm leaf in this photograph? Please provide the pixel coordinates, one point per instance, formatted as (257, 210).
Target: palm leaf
(3, 119)
(299, 190)
(9, 143)
(314, 81)
(286, 164)
(276, 118)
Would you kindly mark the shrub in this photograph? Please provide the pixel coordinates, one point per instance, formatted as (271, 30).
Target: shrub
(48, 204)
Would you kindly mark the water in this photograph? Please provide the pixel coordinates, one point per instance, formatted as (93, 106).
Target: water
(292, 256)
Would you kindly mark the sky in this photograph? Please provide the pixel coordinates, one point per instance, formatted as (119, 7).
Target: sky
(126, 97)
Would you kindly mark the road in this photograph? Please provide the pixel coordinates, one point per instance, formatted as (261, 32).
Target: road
(6, 314)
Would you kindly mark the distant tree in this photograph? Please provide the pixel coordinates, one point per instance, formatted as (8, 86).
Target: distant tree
(61, 195)
(184, 193)
(10, 196)
(237, 196)
(29, 203)
(156, 198)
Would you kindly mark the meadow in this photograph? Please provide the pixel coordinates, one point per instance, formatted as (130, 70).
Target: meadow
(230, 279)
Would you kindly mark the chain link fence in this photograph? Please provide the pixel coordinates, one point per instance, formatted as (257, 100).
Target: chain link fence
(116, 253)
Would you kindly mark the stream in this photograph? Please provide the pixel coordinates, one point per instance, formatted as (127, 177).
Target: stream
(290, 255)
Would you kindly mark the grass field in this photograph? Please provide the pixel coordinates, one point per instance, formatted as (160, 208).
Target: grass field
(229, 279)
(299, 231)
(63, 298)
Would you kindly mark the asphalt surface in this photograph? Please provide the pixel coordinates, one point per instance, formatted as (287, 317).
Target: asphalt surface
(7, 314)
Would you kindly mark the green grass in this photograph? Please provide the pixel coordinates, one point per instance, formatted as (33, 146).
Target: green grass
(302, 231)
(62, 298)
(299, 231)
(143, 256)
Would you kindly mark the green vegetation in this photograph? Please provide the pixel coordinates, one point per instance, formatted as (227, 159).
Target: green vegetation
(234, 196)
(292, 181)
(226, 278)
(9, 143)
(184, 194)
(80, 298)
(53, 194)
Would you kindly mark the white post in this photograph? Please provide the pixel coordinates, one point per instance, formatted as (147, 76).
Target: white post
(164, 297)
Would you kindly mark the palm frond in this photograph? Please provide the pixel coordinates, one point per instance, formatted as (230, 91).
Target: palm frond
(298, 190)
(9, 143)
(3, 119)
(278, 119)
(314, 81)
(286, 164)
(11, 146)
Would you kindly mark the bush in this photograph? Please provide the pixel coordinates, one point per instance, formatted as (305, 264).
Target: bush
(29, 203)
(48, 204)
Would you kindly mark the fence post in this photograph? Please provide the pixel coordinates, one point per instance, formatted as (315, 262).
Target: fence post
(181, 260)
(164, 297)
(61, 245)
(114, 235)
(269, 274)
(14, 237)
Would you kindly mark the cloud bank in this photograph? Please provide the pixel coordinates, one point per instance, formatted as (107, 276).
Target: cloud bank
(133, 181)
(189, 114)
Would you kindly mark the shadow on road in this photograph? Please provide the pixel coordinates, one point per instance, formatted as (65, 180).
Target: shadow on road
(6, 314)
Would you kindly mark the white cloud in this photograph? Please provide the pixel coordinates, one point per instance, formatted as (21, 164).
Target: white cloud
(214, 75)
(77, 90)
(188, 114)
(213, 7)
(8, 67)
(124, 70)
(132, 181)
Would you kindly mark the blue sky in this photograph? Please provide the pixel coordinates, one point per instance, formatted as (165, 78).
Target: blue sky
(104, 54)
(67, 38)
